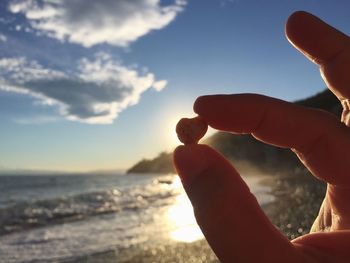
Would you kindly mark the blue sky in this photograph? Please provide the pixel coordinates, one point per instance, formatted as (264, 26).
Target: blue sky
(91, 85)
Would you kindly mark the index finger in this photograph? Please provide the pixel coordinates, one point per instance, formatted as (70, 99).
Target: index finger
(319, 138)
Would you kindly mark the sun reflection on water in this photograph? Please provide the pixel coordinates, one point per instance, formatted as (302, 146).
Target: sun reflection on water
(180, 217)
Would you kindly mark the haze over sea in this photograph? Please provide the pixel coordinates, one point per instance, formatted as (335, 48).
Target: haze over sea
(64, 218)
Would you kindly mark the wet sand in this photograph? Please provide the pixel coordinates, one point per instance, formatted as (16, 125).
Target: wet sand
(297, 201)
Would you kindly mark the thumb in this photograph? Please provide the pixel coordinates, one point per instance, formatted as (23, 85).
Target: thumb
(227, 212)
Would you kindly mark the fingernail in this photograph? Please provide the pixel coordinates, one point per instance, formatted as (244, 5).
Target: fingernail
(189, 162)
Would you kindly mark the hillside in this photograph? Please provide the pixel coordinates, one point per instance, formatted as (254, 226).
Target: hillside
(246, 152)
(161, 164)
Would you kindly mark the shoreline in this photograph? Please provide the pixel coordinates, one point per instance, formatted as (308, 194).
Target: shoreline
(301, 192)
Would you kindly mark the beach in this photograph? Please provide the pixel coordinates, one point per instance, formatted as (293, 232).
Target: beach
(303, 194)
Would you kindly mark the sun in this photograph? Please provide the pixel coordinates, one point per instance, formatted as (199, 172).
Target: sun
(170, 132)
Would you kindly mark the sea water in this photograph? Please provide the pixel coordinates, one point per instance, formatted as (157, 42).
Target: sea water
(59, 218)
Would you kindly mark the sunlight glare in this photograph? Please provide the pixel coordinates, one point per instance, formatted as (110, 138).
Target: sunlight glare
(173, 141)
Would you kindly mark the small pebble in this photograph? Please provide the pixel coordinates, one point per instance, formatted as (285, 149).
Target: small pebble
(191, 130)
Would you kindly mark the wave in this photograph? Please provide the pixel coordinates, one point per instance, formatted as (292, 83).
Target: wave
(39, 213)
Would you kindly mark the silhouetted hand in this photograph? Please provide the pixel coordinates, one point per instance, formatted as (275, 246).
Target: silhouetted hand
(228, 214)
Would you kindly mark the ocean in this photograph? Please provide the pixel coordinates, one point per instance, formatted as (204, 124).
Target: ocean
(63, 218)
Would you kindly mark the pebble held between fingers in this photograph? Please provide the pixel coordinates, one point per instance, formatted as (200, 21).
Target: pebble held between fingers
(191, 130)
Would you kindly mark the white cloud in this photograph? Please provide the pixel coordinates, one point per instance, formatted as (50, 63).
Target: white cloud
(100, 89)
(19, 70)
(91, 22)
(3, 38)
(37, 120)
(159, 85)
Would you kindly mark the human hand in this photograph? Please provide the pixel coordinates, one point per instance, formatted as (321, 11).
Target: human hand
(228, 214)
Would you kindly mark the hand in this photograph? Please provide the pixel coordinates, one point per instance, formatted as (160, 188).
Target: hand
(228, 214)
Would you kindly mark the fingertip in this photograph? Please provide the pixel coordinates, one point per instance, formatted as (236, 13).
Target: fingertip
(198, 104)
(298, 16)
(178, 148)
(205, 106)
(179, 152)
(295, 23)
(190, 161)
(183, 150)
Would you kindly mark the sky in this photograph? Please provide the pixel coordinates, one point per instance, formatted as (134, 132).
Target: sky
(99, 85)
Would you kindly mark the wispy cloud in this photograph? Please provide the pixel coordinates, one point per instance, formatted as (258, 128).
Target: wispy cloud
(91, 22)
(96, 93)
(3, 38)
(37, 120)
(224, 3)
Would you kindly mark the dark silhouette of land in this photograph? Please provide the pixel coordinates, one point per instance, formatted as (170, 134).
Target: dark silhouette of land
(248, 154)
